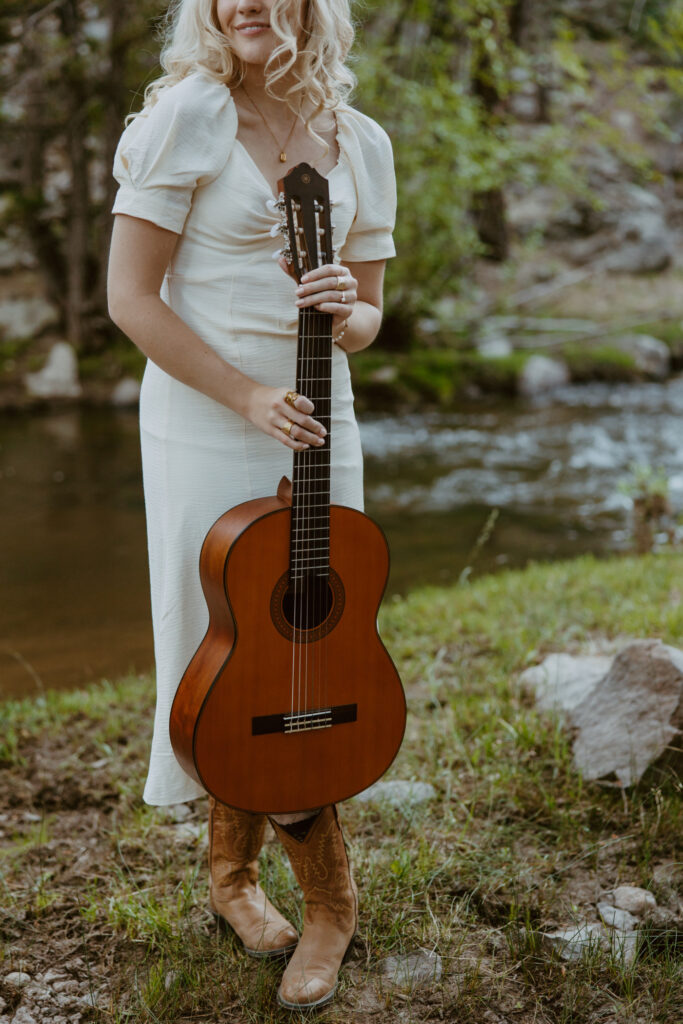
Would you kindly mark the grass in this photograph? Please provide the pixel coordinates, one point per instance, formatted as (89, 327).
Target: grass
(515, 844)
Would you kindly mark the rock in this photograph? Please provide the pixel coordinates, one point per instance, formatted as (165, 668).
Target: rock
(384, 374)
(633, 899)
(24, 1016)
(540, 374)
(624, 946)
(178, 812)
(645, 244)
(575, 942)
(59, 376)
(632, 715)
(562, 681)
(126, 392)
(26, 317)
(400, 794)
(651, 356)
(50, 976)
(188, 832)
(668, 874)
(412, 970)
(17, 979)
(494, 347)
(613, 917)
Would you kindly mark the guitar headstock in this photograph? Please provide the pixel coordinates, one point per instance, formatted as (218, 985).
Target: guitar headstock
(305, 206)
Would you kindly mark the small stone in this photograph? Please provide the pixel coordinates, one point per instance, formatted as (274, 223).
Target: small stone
(399, 793)
(384, 375)
(126, 392)
(495, 347)
(616, 918)
(575, 942)
(179, 812)
(18, 979)
(51, 975)
(59, 376)
(668, 874)
(413, 970)
(66, 985)
(634, 899)
(541, 374)
(23, 1016)
(188, 832)
(624, 946)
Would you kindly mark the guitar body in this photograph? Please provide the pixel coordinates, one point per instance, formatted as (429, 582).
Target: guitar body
(274, 718)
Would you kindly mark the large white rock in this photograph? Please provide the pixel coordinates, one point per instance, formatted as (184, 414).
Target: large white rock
(632, 716)
(540, 374)
(58, 378)
(562, 681)
(625, 711)
(26, 318)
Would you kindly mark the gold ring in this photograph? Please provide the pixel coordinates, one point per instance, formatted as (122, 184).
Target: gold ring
(341, 283)
(291, 397)
(287, 429)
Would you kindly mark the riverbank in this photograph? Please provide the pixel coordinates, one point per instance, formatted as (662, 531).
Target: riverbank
(105, 898)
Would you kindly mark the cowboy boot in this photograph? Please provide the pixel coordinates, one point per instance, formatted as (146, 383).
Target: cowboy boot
(235, 897)
(321, 866)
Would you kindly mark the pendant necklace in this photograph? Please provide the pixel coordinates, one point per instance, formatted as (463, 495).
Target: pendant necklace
(283, 149)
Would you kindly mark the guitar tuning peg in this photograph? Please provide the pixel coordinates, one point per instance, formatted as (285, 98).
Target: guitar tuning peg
(287, 253)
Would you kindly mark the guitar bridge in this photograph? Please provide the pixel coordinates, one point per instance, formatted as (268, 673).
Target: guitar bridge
(304, 721)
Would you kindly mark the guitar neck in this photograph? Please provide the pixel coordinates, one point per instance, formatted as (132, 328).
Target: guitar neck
(310, 536)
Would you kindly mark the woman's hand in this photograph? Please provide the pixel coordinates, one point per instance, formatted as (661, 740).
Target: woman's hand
(268, 410)
(330, 289)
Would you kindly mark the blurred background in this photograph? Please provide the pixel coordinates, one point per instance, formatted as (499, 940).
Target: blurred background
(524, 399)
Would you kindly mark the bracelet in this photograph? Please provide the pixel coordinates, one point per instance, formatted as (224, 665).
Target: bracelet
(340, 335)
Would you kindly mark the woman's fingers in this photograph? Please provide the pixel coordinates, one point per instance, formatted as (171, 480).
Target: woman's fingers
(320, 288)
(294, 423)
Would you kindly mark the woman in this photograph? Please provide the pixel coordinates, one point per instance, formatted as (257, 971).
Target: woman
(252, 88)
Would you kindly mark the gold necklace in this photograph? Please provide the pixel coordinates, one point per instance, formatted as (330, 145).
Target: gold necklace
(283, 149)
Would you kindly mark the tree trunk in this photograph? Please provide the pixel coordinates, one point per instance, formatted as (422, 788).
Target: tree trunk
(79, 195)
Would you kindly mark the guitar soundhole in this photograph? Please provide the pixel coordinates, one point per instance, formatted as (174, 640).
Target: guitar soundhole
(308, 610)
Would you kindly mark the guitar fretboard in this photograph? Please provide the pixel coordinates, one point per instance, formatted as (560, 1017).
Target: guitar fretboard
(310, 531)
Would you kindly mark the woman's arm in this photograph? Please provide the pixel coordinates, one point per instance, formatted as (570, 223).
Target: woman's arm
(139, 255)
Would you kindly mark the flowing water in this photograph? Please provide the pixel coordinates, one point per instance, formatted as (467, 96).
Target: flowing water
(74, 602)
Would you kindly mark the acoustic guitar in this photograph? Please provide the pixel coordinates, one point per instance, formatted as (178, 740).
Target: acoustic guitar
(291, 701)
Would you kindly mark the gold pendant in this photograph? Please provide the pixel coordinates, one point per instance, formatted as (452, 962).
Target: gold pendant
(283, 158)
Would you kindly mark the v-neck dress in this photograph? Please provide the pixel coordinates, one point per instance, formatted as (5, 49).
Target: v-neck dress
(180, 166)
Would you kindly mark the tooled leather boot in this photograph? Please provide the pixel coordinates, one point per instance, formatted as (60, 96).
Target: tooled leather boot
(321, 866)
(235, 838)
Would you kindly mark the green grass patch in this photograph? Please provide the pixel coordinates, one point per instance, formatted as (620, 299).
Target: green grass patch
(515, 844)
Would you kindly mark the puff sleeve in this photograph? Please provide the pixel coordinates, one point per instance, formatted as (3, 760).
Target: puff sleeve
(370, 154)
(180, 143)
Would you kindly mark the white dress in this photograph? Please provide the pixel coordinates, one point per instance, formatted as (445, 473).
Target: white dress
(180, 166)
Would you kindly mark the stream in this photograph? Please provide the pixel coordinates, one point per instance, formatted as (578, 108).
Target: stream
(74, 603)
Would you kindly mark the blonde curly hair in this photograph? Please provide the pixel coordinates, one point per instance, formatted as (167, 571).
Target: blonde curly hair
(192, 41)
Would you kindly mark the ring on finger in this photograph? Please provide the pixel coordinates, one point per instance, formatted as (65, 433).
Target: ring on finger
(291, 397)
(287, 429)
(341, 283)
(343, 298)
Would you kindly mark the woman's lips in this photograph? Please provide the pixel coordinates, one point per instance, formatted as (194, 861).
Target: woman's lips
(252, 30)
